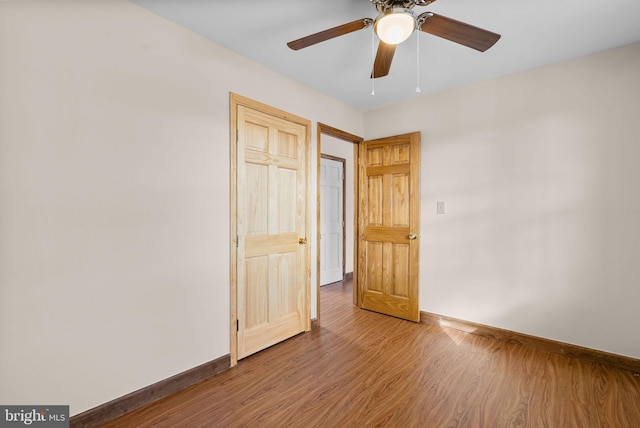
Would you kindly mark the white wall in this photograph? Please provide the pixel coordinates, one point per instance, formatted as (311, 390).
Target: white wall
(539, 173)
(343, 149)
(114, 190)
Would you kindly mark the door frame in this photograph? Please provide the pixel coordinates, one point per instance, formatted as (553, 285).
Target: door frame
(343, 202)
(236, 100)
(323, 129)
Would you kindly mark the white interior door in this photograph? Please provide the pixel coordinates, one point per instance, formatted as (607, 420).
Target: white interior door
(331, 221)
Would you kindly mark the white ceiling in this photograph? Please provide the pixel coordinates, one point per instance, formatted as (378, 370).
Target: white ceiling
(534, 33)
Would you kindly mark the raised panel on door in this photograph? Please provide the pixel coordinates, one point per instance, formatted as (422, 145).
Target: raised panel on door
(389, 226)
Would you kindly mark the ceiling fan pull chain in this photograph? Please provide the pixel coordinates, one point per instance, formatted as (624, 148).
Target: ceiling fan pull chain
(418, 61)
(373, 59)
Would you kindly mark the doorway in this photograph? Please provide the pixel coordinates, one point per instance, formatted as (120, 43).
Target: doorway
(385, 250)
(337, 143)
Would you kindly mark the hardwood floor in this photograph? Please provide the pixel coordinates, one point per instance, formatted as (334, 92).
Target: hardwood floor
(362, 369)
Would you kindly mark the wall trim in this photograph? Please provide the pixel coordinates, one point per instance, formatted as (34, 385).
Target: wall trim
(127, 403)
(546, 345)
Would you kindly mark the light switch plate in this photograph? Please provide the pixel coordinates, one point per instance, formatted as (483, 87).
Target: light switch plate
(440, 207)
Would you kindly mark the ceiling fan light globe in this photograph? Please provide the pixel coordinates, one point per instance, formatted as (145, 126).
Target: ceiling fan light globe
(395, 27)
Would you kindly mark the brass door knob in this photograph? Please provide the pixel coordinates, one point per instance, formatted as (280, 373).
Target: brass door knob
(302, 241)
(413, 236)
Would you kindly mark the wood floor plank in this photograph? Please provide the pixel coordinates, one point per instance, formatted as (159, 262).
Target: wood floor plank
(363, 369)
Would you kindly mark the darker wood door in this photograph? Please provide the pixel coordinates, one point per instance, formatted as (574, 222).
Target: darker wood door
(389, 226)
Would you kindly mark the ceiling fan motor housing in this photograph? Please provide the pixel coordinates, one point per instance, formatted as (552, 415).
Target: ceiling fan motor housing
(385, 5)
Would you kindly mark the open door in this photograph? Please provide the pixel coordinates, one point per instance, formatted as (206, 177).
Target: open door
(389, 226)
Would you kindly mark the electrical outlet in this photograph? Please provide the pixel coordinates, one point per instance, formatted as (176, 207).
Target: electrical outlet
(440, 207)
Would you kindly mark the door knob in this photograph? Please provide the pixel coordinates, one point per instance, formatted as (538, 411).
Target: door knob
(413, 236)
(302, 241)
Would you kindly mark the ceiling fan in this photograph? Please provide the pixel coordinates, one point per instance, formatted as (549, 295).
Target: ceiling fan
(395, 23)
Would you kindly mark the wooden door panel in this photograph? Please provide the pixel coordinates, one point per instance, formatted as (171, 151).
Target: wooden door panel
(400, 279)
(385, 234)
(257, 274)
(287, 276)
(374, 261)
(286, 200)
(256, 136)
(264, 244)
(389, 216)
(400, 154)
(374, 155)
(256, 179)
(266, 158)
(287, 145)
(399, 203)
(379, 302)
(374, 200)
(388, 268)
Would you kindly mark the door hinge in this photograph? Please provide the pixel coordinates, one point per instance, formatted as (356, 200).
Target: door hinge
(237, 241)
(237, 325)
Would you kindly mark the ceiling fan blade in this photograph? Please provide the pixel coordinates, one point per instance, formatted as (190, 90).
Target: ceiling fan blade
(458, 32)
(384, 57)
(340, 30)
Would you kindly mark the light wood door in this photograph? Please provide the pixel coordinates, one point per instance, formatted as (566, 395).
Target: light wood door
(331, 220)
(389, 226)
(272, 256)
